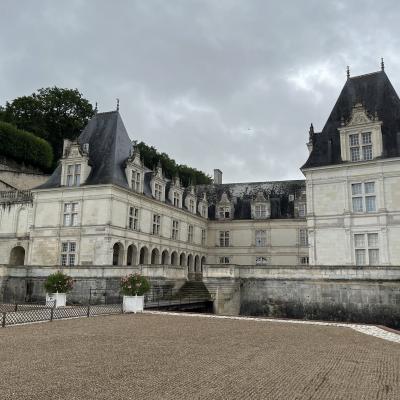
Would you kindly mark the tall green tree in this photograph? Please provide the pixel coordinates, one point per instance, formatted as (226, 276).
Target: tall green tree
(51, 113)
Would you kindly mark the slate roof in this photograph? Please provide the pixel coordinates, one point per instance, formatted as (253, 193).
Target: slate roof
(109, 148)
(377, 94)
(242, 194)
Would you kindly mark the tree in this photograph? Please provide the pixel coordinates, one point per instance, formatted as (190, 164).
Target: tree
(51, 113)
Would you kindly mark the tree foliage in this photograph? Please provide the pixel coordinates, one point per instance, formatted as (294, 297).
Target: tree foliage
(187, 174)
(51, 113)
(24, 147)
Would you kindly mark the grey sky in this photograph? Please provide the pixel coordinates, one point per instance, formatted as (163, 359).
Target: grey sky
(216, 84)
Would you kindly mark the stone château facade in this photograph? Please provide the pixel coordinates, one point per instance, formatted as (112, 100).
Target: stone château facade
(103, 206)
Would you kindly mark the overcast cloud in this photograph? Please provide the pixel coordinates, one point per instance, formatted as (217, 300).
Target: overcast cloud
(215, 84)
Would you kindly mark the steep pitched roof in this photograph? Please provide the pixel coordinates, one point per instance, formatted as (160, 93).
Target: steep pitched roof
(109, 146)
(377, 94)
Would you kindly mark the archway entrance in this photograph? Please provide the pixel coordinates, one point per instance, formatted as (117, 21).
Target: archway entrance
(17, 256)
(131, 255)
(144, 256)
(118, 254)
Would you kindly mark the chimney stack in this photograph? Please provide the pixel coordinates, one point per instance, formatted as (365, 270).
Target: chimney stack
(217, 176)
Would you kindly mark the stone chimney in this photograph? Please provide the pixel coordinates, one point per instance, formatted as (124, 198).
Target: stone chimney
(217, 176)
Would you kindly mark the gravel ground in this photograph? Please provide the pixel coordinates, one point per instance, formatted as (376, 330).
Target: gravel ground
(153, 356)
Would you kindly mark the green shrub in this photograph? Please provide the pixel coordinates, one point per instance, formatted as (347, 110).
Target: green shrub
(134, 285)
(58, 283)
(24, 147)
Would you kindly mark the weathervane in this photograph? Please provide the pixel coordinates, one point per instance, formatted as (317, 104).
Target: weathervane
(382, 64)
(117, 104)
(348, 71)
(95, 108)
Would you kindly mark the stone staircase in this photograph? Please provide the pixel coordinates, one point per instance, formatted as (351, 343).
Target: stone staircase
(194, 290)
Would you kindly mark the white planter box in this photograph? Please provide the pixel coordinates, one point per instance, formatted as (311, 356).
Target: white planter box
(132, 304)
(59, 298)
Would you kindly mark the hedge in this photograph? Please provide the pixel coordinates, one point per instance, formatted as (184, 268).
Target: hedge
(24, 147)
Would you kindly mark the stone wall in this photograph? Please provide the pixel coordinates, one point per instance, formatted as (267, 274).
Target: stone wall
(25, 283)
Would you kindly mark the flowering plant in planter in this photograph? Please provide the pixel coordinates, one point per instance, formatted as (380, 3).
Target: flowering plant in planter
(134, 285)
(58, 283)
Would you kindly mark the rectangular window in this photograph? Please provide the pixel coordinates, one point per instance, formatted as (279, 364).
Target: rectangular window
(224, 238)
(175, 229)
(135, 183)
(70, 217)
(261, 261)
(74, 175)
(261, 211)
(363, 195)
(224, 260)
(133, 221)
(366, 248)
(190, 233)
(157, 191)
(156, 224)
(68, 250)
(224, 212)
(302, 210)
(203, 237)
(191, 205)
(363, 149)
(303, 234)
(304, 260)
(177, 199)
(204, 211)
(261, 238)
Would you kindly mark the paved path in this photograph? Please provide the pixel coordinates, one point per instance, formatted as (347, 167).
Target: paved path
(159, 356)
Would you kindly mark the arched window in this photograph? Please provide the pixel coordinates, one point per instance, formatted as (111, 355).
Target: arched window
(155, 257)
(144, 256)
(174, 258)
(131, 255)
(118, 254)
(165, 257)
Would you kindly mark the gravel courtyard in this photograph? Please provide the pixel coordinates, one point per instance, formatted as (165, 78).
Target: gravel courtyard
(181, 357)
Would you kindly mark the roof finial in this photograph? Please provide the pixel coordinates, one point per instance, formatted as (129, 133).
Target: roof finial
(117, 104)
(311, 132)
(382, 64)
(348, 71)
(95, 108)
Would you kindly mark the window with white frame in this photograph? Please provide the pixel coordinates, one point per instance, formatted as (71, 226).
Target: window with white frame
(157, 191)
(71, 212)
(261, 260)
(304, 260)
(175, 229)
(203, 237)
(261, 238)
(191, 205)
(224, 260)
(224, 238)
(303, 236)
(360, 147)
(366, 248)
(363, 197)
(133, 221)
(260, 210)
(73, 174)
(224, 212)
(190, 233)
(302, 210)
(135, 182)
(203, 211)
(156, 224)
(177, 199)
(68, 253)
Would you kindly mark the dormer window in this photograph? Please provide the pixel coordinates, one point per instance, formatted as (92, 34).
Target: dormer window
(191, 205)
(177, 199)
(260, 210)
(157, 191)
(224, 212)
(74, 163)
(73, 174)
(361, 137)
(136, 181)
